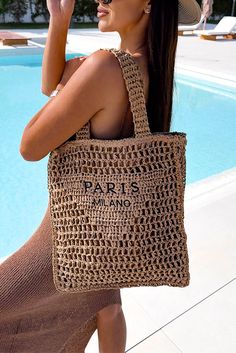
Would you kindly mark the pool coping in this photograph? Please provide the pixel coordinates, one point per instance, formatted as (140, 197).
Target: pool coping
(210, 189)
(206, 75)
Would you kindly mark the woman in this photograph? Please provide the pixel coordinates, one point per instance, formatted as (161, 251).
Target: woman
(34, 316)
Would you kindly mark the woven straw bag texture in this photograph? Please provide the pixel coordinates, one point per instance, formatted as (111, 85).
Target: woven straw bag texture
(117, 206)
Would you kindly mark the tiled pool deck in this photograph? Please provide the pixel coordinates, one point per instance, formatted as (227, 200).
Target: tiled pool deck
(202, 316)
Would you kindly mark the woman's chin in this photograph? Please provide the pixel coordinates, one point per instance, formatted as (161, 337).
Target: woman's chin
(103, 27)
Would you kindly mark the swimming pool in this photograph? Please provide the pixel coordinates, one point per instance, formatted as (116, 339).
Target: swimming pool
(205, 111)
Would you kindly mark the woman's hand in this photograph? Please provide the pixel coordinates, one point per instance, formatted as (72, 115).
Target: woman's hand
(71, 66)
(61, 9)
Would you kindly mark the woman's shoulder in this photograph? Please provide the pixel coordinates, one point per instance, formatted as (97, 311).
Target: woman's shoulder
(104, 57)
(109, 67)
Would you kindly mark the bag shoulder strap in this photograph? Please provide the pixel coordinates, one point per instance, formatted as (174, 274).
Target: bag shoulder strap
(135, 87)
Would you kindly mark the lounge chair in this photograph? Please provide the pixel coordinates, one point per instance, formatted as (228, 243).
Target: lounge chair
(225, 28)
(11, 38)
(190, 29)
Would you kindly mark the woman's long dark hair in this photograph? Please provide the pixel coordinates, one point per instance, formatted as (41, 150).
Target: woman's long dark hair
(162, 35)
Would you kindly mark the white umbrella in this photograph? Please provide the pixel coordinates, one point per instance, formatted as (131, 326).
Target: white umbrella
(207, 9)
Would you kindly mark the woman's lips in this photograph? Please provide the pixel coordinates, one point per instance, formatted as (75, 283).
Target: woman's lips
(100, 13)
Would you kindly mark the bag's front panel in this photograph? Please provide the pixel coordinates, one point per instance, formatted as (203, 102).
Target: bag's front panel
(117, 216)
(117, 206)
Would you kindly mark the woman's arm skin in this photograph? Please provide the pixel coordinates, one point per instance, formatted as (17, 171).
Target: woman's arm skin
(54, 53)
(53, 63)
(86, 93)
(70, 67)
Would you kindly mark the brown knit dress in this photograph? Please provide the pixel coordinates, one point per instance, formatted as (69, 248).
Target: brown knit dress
(34, 317)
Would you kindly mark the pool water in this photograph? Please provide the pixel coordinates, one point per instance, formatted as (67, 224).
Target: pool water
(205, 111)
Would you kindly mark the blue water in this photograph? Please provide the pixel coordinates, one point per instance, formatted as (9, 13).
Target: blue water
(205, 111)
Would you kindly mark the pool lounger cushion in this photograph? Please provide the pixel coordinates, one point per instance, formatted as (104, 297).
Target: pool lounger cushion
(11, 38)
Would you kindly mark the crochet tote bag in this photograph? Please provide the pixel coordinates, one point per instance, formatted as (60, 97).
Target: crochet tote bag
(117, 206)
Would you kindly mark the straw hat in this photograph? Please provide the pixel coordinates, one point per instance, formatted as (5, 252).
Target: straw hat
(189, 12)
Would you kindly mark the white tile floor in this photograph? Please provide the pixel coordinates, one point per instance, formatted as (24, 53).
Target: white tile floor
(202, 316)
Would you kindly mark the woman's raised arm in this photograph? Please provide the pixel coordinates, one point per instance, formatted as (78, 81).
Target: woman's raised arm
(53, 64)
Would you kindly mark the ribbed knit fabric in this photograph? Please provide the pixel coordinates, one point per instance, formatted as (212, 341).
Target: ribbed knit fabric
(34, 317)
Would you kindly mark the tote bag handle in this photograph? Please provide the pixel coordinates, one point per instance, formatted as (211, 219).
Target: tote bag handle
(135, 87)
